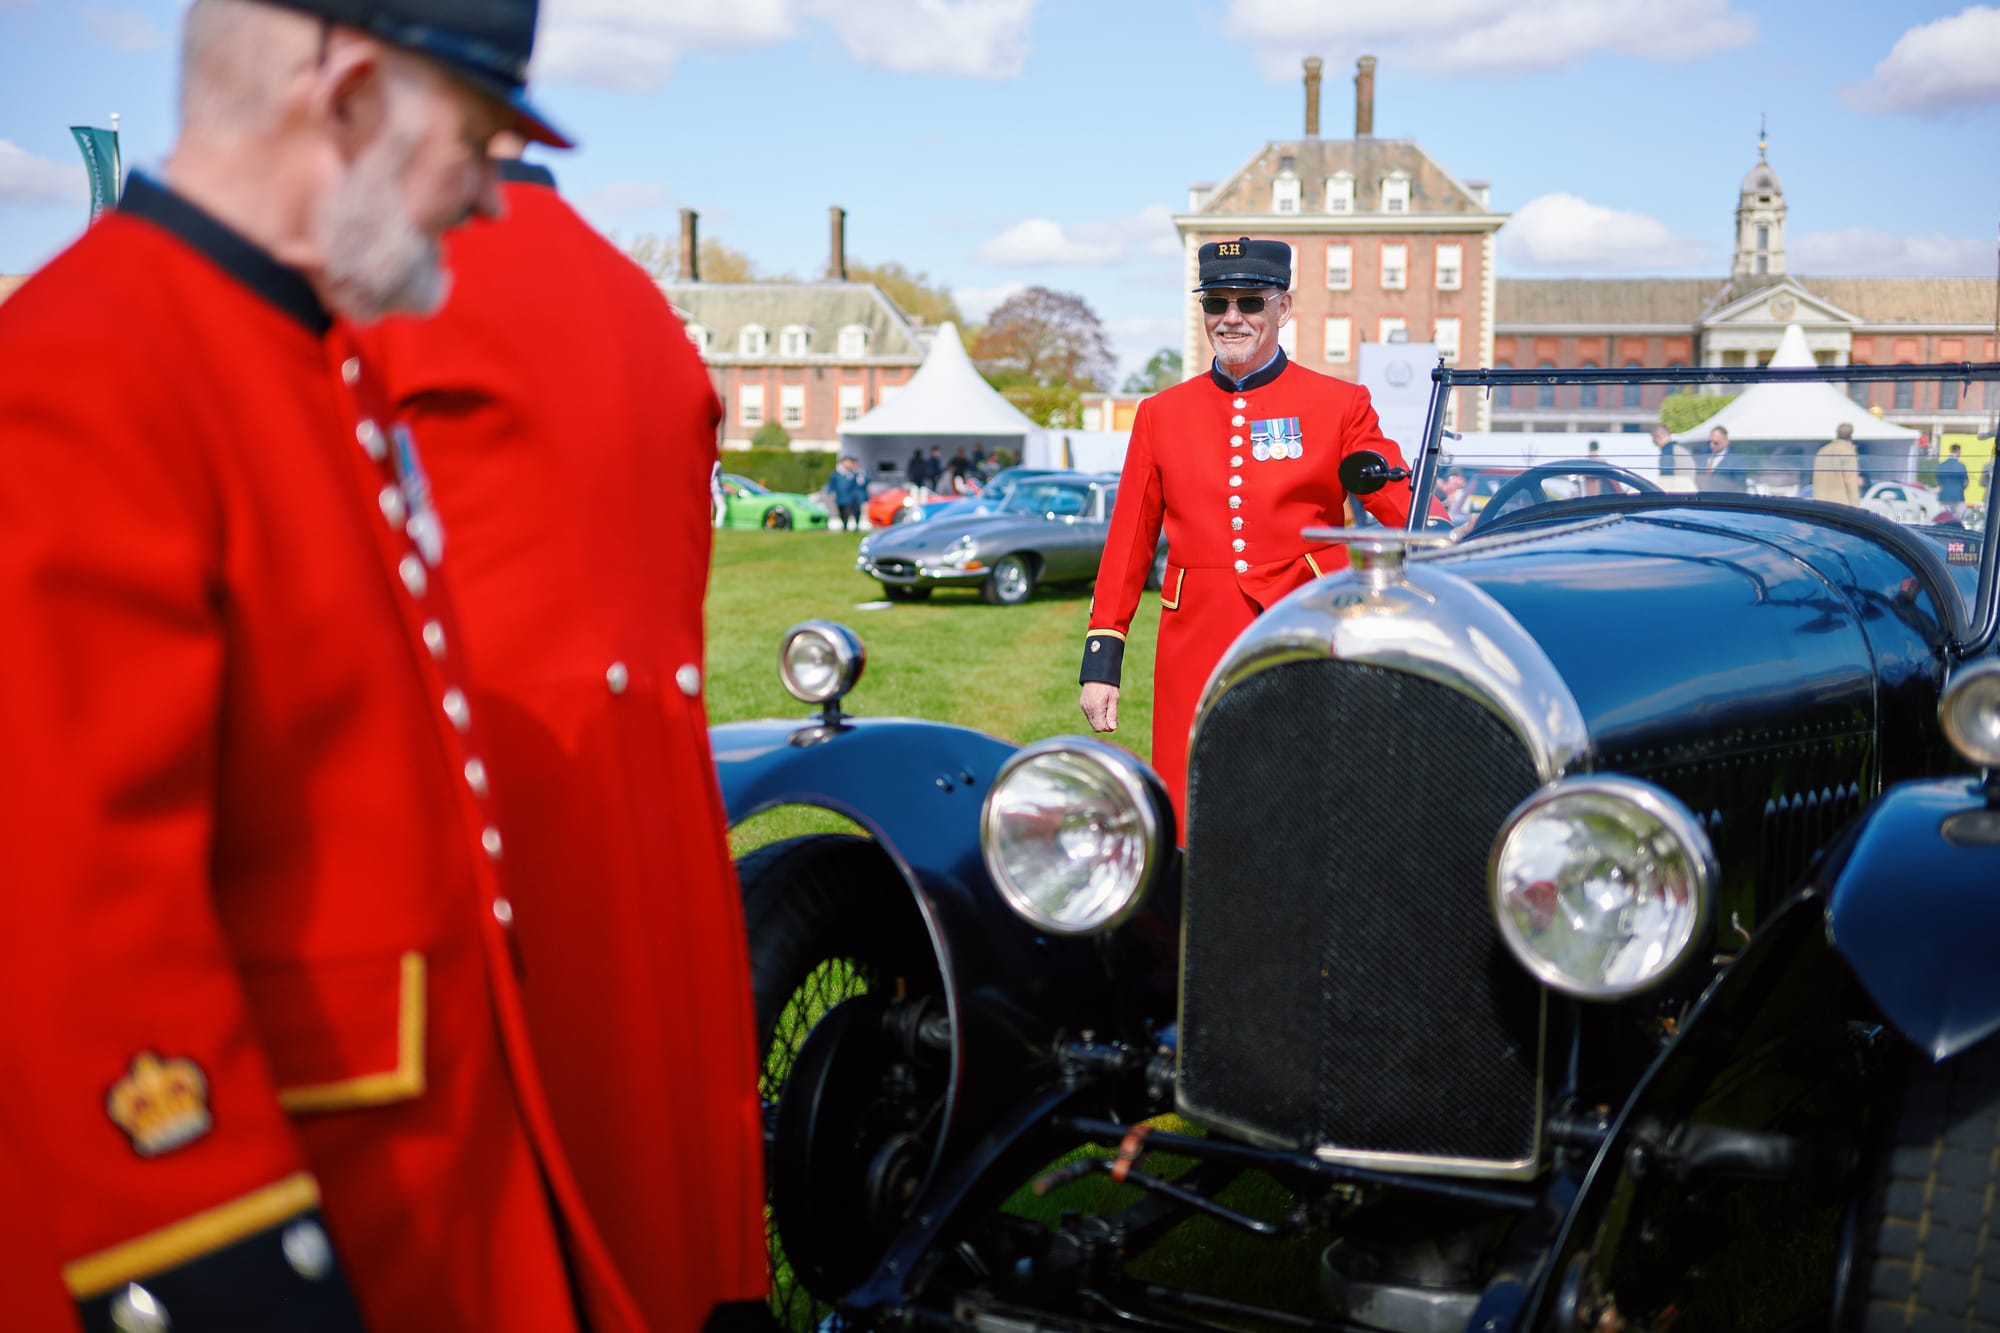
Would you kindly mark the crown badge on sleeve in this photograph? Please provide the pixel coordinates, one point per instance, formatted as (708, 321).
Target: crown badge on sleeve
(160, 1104)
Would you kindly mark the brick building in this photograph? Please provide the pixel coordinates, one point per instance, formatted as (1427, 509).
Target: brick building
(1737, 321)
(808, 356)
(1386, 244)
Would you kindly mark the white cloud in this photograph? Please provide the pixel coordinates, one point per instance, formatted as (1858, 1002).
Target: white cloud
(976, 303)
(1946, 65)
(633, 45)
(27, 179)
(1135, 339)
(1497, 37)
(124, 29)
(1149, 233)
(620, 199)
(1864, 251)
(1560, 233)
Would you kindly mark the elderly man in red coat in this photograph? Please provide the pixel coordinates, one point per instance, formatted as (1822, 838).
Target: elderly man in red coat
(1234, 463)
(569, 430)
(267, 1061)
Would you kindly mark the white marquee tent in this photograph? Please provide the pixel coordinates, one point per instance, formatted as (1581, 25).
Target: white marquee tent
(946, 406)
(1795, 419)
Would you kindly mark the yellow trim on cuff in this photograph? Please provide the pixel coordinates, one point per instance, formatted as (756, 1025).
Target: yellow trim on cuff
(1104, 633)
(1313, 565)
(403, 1082)
(1174, 603)
(191, 1237)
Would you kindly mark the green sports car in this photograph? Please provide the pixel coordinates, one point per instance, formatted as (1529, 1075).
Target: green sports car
(745, 504)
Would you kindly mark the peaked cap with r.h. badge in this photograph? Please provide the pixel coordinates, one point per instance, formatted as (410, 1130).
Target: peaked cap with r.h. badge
(1244, 263)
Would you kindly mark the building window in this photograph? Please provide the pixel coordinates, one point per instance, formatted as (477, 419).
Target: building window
(1339, 338)
(1906, 392)
(1947, 395)
(851, 402)
(1395, 267)
(1396, 194)
(1339, 267)
(1446, 338)
(1340, 193)
(1634, 393)
(1545, 394)
(1285, 193)
(795, 340)
(753, 341)
(1763, 237)
(792, 404)
(1393, 329)
(1858, 391)
(750, 405)
(699, 335)
(1450, 267)
(1586, 394)
(1503, 395)
(853, 341)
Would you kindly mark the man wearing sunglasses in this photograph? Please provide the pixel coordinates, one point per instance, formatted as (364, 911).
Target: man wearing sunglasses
(1234, 464)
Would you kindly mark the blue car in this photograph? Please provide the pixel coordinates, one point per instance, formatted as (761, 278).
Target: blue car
(1585, 919)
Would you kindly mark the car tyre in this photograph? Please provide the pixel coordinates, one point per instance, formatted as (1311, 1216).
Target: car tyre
(1010, 583)
(906, 592)
(777, 519)
(1918, 1230)
(829, 919)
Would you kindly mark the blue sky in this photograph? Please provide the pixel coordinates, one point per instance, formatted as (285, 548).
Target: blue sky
(998, 143)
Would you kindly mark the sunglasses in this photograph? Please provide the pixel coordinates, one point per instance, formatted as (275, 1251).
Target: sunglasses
(1216, 305)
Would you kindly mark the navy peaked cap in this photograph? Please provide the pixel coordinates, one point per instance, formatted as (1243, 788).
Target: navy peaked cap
(1245, 263)
(485, 43)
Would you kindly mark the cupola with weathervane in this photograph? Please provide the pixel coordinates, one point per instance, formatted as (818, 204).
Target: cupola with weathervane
(1760, 221)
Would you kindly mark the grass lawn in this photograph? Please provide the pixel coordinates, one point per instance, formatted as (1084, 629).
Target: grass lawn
(1009, 671)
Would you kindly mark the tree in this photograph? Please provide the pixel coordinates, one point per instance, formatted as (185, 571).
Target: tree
(771, 435)
(1679, 411)
(1163, 371)
(1044, 338)
(661, 257)
(913, 292)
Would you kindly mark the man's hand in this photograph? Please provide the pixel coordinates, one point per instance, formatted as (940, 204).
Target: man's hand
(1100, 705)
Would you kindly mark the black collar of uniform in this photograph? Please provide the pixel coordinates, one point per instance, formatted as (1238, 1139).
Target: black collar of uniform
(1257, 379)
(525, 173)
(230, 251)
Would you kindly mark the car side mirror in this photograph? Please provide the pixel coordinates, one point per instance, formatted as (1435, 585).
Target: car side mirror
(1365, 472)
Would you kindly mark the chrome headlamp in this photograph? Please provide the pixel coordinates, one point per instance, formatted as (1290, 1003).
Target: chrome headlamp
(1970, 712)
(1075, 832)
(959, 554)
(1602, 886)
(820, 661)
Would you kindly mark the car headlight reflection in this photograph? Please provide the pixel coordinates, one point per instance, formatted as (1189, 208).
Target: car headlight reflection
(961, 552)
(1970, 712)
(1602, 886)
(820, 661)
(1074, 833)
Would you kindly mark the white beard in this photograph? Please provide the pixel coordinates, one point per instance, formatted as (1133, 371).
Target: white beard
(376, 261)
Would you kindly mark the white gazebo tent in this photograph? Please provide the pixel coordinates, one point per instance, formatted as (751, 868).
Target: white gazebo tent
(1783, 424)
(946, 406)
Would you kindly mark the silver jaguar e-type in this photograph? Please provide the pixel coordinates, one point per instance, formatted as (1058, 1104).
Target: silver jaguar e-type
(1050, 529)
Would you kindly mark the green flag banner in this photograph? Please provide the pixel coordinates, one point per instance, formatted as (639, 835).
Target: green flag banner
(100, 155)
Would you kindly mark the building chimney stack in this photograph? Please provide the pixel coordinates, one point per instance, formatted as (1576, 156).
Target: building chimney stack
(1312, 96)
(689, 269)
(836, 265)
(1364, 98)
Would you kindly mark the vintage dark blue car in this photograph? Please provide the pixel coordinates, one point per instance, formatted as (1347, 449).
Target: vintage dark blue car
(1585, 921)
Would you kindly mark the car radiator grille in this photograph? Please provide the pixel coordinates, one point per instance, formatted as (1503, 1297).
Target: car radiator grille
(1344, 986)
(900, 568)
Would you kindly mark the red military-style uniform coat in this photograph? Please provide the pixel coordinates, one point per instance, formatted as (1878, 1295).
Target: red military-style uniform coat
(569, 429)
(1234, 473)
(258, 972)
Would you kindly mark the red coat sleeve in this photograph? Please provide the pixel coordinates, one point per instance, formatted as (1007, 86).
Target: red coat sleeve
(1128, 556)
(1363, 430)
(131, 1062)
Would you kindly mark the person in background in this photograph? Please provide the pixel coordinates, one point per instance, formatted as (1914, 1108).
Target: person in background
(570, 429)
(1836, 476)
(1721, 472)
(264, 1021)
(917, 472)
(850, 492)
(1232, 464)
(1951, 479)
